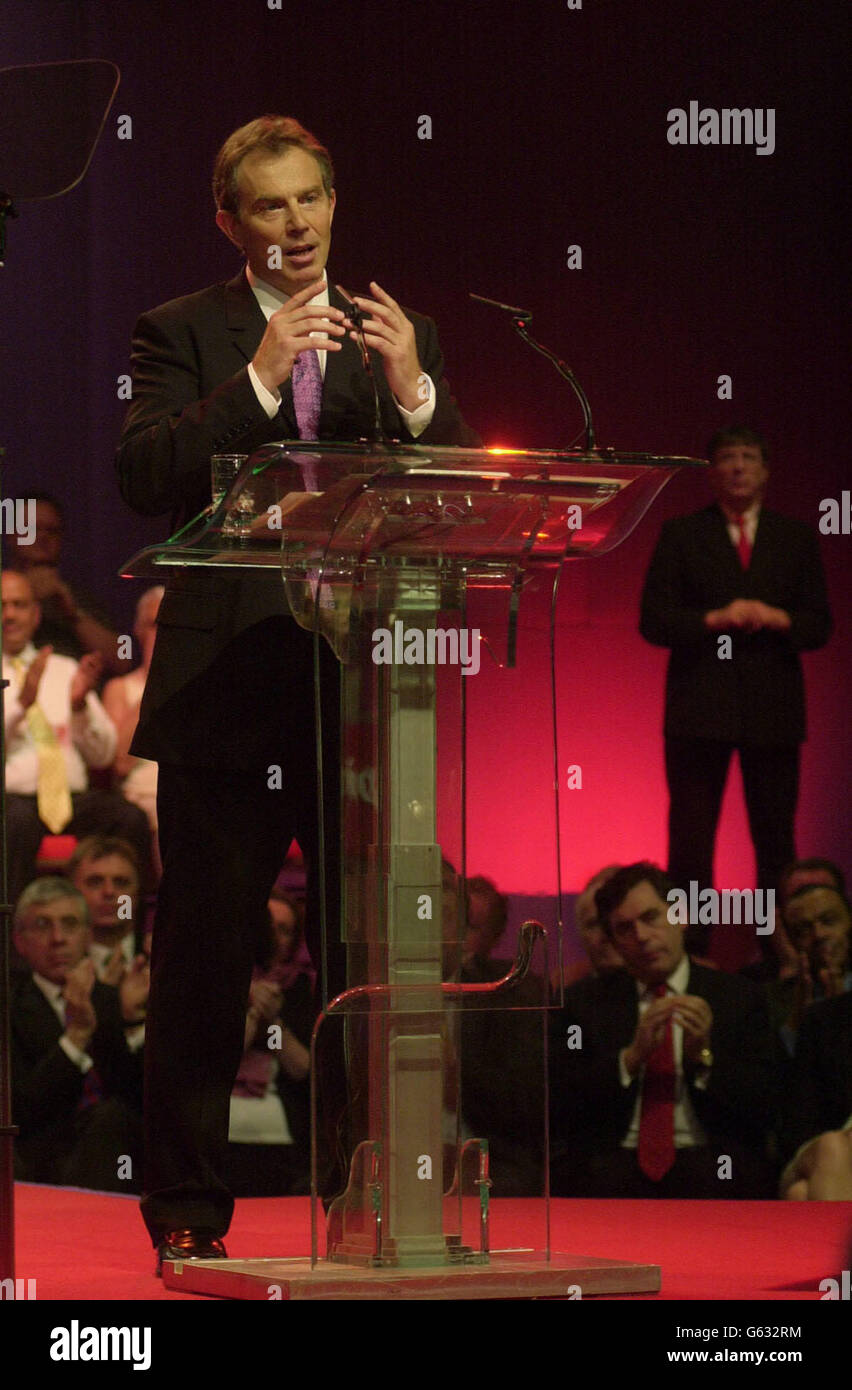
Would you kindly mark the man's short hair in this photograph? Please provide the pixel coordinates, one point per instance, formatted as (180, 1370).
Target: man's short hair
(615, 890)
(812, 865)
(737, 434)
(816, 888)
(272, 134)
(98, 847)
(48, 890)
(586, 898)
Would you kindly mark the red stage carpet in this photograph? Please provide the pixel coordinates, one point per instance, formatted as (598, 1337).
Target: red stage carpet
(81, 1245)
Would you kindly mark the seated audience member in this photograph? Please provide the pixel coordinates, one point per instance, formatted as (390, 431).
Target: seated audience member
(105, 870)
(487, 915)
(781, 960)
(269, 1137)
(501, 1065)
(818, 923)
(71, 621)
(817, 1130)
(602, 957)
(56, 728)
(662, 1074)
(76, 1081)
(122, 697)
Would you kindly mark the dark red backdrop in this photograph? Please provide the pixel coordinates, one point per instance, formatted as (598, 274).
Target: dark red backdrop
(548, 130)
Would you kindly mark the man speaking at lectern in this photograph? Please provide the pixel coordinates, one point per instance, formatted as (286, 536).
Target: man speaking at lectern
(231, 691)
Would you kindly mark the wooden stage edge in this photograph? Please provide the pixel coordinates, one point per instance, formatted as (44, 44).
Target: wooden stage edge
(289, 1280)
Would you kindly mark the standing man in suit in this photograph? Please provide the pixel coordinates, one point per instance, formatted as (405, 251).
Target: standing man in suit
(736, 592)
(270, 355)
(662, 1073)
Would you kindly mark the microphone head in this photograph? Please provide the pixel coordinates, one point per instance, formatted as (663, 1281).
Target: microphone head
(356, 316)
(523, 314)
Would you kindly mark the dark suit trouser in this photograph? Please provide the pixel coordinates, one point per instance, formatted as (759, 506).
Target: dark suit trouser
(223, 836)
(696, 770)
(88, 1149)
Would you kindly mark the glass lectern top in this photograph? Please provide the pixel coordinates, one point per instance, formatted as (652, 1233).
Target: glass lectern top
(336, 506)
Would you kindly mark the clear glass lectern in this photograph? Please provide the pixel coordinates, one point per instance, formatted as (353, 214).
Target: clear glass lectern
(411, 562)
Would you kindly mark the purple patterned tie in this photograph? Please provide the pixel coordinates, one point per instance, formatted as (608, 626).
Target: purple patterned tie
(307, 393)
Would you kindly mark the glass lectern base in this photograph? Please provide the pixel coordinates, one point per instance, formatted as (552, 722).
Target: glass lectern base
(524, 1274)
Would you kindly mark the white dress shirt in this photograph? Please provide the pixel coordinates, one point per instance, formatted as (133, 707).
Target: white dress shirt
(87, 737)
(687, 1131)
(270, 299)
(260, 1119)
(749, 518)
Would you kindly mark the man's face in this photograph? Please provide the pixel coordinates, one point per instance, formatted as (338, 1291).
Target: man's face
(53, 938)
(284, 929)
(482, 935)
(282, 203)
(818, 924)
(649, 944)
(738, 476)
(603, 956)
(102, 882)
(48, 537)
(21, 613)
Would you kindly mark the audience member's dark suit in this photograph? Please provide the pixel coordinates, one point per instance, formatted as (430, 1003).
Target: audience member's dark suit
(591, 1110)
(230, 692)
(819, 1097)
(502, 1076)
(61, 1138)
(754, 701)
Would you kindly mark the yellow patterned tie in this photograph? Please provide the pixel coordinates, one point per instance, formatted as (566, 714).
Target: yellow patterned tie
(54, 799)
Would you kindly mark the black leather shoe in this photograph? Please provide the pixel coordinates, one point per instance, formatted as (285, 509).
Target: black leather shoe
(189, 1245)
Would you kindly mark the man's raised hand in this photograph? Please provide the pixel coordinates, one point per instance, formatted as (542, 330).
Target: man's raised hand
(696, 1019)
(86, 678)
(650, 1031)
(391, 334)
(288, 333)
(80, 1018)
(29, 687)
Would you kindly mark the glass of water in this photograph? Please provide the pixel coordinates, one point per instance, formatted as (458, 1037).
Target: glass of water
(223, 470)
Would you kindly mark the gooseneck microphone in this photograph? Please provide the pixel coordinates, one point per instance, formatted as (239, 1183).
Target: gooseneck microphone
(356, 318)
(521, 319)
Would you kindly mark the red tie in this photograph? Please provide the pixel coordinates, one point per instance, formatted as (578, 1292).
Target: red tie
(743, 544)
(656, 1123)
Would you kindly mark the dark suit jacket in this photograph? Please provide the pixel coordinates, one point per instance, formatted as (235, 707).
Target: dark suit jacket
(502, 1075)
(757, 696)
(592, 1110)
(47, 1087)
(207, 700)
(819, 1097)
